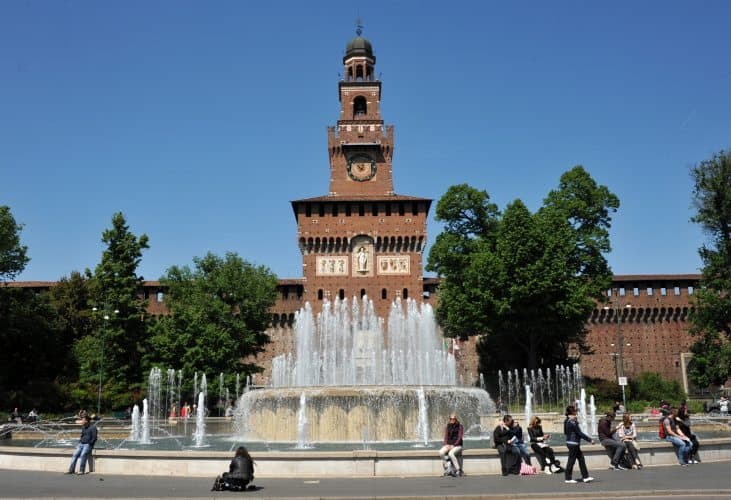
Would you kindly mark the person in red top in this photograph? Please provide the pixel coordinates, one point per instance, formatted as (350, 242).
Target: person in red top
(453, 433)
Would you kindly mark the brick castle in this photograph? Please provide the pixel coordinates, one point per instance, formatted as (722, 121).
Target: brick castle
(361, 238)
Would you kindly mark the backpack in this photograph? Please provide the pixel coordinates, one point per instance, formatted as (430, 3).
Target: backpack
(661, 433)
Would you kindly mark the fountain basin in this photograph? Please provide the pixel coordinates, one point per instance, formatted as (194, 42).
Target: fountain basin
(364, 463)
(349, 414)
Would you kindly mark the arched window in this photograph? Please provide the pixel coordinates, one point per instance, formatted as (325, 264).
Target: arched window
(384, 294)
(319, 294)
(359, 73)
(362, 292)
(341, 294)
(405, 294)
(359, 106)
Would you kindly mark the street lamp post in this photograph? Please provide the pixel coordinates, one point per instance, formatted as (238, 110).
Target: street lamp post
(614, 356)
(101, 356)
(619, 371)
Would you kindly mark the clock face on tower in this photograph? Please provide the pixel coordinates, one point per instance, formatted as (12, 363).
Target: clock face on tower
(361, 167)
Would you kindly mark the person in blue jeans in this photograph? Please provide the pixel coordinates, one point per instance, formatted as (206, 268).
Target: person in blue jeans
(86, 444)
(516, 441)
(680, 441)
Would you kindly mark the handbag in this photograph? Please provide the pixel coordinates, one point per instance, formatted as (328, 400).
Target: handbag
(527, 470)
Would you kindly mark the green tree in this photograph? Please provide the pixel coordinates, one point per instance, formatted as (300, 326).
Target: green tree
(711, 363)
(29, 357)
(13, 256)
(71, 299)
(524, 281)
(116, 348)
(219, 312)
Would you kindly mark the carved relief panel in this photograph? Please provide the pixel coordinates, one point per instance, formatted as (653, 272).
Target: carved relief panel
(332, 266)
(394, 264)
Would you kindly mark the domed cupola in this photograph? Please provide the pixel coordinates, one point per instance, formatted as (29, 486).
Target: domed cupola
(359, 59)
(359, 46)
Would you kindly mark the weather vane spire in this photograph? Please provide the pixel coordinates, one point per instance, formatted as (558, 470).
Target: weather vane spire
(358, 26)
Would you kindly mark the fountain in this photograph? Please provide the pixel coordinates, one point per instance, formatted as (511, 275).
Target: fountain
(200, 422)
(422, 429)
(135, 433)
(349, 376)
(145, 436)
(302, 435)
(528, 405)
(583, 424)
(592, 414)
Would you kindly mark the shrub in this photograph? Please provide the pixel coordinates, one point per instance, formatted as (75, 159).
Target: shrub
(605, 392)
(652, 387)
(638, 406)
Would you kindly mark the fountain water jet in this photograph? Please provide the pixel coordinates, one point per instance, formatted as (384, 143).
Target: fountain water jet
(528, 405)
(200, 422)
(302, 423)
(136, 432)
(592, 413)
(422, 429)
(356, 374)
(145, 437)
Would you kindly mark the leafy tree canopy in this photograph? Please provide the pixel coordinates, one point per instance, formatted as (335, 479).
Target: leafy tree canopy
(13, 256)
(525, 280)
(219, 311)
(29, 357)
(711, 363)
(71, 300)
(114, 353)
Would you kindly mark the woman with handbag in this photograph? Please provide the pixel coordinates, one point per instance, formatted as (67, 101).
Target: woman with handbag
(627, 433)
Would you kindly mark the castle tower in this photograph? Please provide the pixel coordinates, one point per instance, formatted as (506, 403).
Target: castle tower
(361, 238)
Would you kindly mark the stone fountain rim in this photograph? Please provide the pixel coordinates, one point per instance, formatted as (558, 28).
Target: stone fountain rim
(187, 453)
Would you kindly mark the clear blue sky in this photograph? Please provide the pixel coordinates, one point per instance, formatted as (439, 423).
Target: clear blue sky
(200, 121)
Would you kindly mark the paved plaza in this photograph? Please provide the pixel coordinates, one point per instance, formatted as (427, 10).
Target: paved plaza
(707, 480)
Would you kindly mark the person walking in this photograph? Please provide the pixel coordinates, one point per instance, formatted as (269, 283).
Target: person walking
(573, 443)
(86, 444)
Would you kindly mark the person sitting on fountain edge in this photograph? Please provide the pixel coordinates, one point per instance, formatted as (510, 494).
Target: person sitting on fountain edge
(509, 459)
(86, 444)
(538, 442)
(616, 449)
(517, 442)
(452, 447)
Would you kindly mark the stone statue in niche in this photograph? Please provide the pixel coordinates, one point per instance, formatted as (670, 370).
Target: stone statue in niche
(362, 260)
